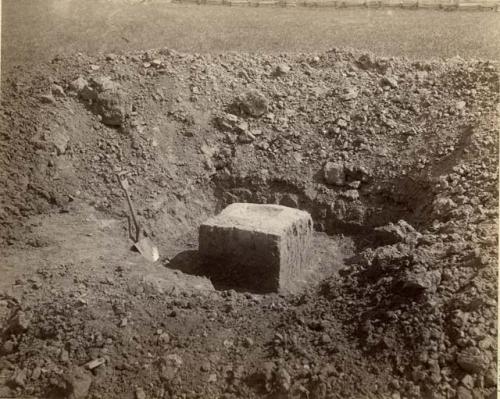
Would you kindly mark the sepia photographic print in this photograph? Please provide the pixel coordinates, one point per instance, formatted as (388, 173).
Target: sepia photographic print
(225, 199)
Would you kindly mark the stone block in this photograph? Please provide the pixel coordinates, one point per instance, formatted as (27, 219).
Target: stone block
(265, 247)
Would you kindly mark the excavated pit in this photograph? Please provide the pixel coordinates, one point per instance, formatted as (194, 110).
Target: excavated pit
(342, 230)
(396, 161)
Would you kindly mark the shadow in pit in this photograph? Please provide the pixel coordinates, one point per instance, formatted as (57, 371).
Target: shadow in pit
(187, 262)
(228, 278)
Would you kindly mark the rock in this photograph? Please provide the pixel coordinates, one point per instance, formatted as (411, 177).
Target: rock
(64, 357)
(252, 103)
(242, 127)
(233, 119)
(418, 281)
(472, 360)
(325, 339)
(434, 371)
(205, 366)
(389, 81)
(156, 63)
(366, 61)
(282, 69)
(37, 372)
(174, 359)
(443, 206)
(341, 122)
(57, 91)
(227, 121)
(212, 378)
(139, 393)
(468, 381)
(334, 173)
(246, 137)
(78, 84)
(486, 343)
(47, 99)
(267, 374)
(5, 313)
(78, 382)
(195, 90)
(100, 89)
(476, 259)
(95, 363)
(460, 105)
(87, 93)
(18, 323)
(283, 379)
(350, 94)
(164, 338)
(18, 379)
(352, 195)
(394, 233)
(104, 83)
(355, 172)
(8, 347)
(170, 366)
(59, 139)
(168, 372)
(490, 378)
(112, 106)
(248, 342)
(157, 285)
(464, 393)
(351, 212)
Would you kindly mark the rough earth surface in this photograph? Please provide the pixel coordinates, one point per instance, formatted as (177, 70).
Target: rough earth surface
(396, 161)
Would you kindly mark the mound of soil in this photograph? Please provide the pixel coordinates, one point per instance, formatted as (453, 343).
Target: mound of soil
(396, 161)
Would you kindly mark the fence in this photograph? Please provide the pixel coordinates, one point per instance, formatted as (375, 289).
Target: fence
(425, 4)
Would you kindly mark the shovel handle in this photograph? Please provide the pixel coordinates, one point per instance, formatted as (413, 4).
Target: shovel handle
(123, 185)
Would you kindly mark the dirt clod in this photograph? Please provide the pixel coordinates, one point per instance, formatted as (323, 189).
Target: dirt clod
(252, 102)
(472, 360)
(78, 383)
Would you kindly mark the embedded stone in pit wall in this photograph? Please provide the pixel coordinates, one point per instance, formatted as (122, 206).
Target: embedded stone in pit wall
(266, 247)
(334, 173)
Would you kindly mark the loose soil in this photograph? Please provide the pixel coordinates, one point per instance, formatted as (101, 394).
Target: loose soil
(396, 161)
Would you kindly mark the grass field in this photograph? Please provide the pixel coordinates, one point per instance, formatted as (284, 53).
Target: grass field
(36, 30)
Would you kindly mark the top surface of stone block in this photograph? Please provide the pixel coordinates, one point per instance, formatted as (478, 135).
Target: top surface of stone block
(265, 218)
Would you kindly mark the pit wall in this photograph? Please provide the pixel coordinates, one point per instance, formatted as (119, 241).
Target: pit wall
(332, 210)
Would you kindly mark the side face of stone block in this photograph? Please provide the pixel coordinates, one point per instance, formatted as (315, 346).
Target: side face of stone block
(250, 258)
(295, 251)
(265, 247)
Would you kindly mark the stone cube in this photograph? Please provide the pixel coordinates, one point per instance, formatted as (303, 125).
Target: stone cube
(265, 247)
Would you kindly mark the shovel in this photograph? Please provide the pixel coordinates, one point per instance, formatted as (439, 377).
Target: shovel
(141, 243)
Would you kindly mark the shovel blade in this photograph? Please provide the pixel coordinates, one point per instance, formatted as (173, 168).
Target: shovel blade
(147, 249)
